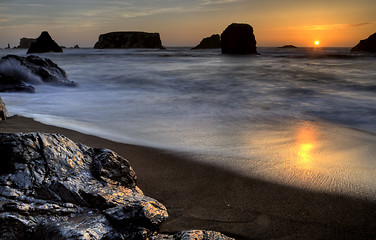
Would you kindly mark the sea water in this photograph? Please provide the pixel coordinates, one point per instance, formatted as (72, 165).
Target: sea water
(304, 117)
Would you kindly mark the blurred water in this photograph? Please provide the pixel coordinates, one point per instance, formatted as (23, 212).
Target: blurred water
(217, 106)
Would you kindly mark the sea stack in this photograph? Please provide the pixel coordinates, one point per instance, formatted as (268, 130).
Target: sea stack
(43, 44)
(366, 45)
(209, 42)
(26, 42)
(238, 38)
(129, 40)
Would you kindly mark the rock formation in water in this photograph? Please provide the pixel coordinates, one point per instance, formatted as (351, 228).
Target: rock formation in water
(16, 72)
(3, 110)
(210, 42)
(288, 46)
(238, 38)
(53, 188)
(26, 42)
(129, 40)
(366, 45)
(44, 43)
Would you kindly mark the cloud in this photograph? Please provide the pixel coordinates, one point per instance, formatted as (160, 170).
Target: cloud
(215, 2)
(327, 27)
(24, 4)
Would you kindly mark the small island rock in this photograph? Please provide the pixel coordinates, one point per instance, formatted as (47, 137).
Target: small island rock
(238, 38)
(44, 43)
(26, 42)
(288, 46)
(366, 45)
(129, 40)
(210, 42)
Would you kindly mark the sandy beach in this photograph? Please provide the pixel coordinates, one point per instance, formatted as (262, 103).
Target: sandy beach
(200, 196)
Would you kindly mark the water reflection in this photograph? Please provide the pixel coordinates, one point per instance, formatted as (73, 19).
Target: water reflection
(305, 142)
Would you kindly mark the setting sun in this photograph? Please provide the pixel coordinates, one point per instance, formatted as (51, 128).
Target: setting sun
(317, 43)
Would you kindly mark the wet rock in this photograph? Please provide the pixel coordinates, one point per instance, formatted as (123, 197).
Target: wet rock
(16, 73)
(200, 235)
(44, 43)
(26, 42)
(3, 110)
(129, 40)
(238, 38)
(366, 45)
(210, 42)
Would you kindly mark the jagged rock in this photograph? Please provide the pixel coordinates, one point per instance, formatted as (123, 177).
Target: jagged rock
(26, 42)
(44, 43)
(3, 110)
(16, 72)
(238, 38)
(52, 188)
(366, 45)
(76, 46)
(210, 42)
(200, 235)
(129, 40)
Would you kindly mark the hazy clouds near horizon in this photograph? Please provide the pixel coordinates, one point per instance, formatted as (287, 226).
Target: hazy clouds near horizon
(186, 22)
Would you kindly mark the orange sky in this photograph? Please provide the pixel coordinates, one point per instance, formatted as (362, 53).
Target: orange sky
(185, 22)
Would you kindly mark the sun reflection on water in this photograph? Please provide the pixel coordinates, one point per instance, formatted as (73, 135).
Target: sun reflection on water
(305, 142)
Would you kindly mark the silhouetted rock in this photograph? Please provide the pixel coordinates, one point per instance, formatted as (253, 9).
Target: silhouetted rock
(44, 43)
(3, 110)
(238, 38)
(53, 188)
(26, 42)
(129, 40)
(288, 46)
(16, 71)
(366, 45)
(76, 46)
(210, 42)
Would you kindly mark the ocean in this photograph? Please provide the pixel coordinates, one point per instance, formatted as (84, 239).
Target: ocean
(302, 117)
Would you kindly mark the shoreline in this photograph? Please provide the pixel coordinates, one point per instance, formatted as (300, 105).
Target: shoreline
(200, 196)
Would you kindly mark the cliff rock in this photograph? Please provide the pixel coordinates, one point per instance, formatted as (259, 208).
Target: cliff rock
(16, 72)
(53, 188)
(366, 45)
(44, 43)
(26, 42)
(238, 38)
(3, 110)
(210, 42)
(129, 40)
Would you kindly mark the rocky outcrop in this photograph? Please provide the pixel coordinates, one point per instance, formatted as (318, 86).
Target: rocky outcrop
(238, 38)
(53, 188)
(26, 42)
(3, 110)
(366, 45)
(288, 46)
(210, 42)
(16, 73)
(44, 43)
(129, 40)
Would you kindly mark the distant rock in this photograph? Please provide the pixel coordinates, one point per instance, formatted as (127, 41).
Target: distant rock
(210, 42)
(44, 43)
(53, 188)
(76, 46)
(16, 72)
(129, 40)
(366, 45)
(288, 46)
(238, 38)
(3, 110)
(26, 42)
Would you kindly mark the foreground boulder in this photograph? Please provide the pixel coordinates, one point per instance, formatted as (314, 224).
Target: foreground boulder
(44, 43)
(238, 38)
(3, 110)
(366, 45)
(53, 188)
(129, 40)
(17, 73)
(210, 42)
(26, 42)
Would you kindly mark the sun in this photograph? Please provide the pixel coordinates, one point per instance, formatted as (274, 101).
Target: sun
(317, 42)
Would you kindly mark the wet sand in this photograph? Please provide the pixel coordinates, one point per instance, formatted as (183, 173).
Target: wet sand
(200, 196)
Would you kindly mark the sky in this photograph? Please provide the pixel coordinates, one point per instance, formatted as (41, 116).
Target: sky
(335, 23)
